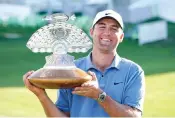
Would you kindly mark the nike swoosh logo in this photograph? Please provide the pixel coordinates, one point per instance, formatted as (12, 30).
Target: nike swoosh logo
(116, 83)
(107, 13)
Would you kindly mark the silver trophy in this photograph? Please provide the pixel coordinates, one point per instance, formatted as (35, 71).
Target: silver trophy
(59, 37)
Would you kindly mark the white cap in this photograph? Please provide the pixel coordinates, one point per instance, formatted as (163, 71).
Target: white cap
(108, 13)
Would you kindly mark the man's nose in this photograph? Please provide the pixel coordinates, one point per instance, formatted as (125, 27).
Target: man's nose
(107, 31)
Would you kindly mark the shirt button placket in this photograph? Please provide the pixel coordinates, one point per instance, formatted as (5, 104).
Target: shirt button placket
(102, 82)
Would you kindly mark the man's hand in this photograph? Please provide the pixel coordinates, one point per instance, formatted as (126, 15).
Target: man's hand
(89, 89)
(37, 91)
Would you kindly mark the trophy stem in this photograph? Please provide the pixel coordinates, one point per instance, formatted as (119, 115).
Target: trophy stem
(59, 61)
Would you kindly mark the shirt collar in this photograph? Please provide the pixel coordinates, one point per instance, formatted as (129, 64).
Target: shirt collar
(115, 62)
(89, 64)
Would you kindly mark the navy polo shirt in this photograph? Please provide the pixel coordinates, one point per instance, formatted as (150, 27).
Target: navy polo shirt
(123, 81)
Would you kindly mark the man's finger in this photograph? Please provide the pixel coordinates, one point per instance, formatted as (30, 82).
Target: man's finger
(26, 81)
(79, 92)
(27, 74)
(85, 88)
(93, 75)
(86, 84)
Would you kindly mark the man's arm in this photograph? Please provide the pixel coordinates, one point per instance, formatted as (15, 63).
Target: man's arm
(115, 109)
(49, 107)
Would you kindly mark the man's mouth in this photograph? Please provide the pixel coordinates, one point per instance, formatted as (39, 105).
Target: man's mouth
(105, 41)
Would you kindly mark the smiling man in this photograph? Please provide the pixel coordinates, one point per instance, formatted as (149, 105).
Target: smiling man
(118, 85)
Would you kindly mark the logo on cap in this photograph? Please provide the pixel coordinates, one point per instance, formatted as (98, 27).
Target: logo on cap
(107, 13)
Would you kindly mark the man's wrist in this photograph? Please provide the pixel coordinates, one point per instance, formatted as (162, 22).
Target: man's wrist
(42, 96)
(101, 97)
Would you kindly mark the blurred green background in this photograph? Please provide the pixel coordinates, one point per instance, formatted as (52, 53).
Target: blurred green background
(157, 59)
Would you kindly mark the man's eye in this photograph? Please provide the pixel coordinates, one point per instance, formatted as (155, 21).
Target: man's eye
(102, 27)
(114, 29)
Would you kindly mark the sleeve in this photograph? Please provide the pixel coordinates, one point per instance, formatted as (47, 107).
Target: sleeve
(135, 89)
(63, 101)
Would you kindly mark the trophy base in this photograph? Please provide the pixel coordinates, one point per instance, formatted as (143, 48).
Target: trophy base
(59, 78)
(57, 83)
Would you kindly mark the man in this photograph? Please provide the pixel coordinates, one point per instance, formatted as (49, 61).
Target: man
(118, 85)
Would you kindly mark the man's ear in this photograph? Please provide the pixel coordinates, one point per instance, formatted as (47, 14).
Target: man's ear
(91, 31)
(121, 37)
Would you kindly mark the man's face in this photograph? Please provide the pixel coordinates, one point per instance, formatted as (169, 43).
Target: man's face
(106, 35)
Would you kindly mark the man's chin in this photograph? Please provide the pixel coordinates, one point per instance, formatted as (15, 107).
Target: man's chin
(105, 50)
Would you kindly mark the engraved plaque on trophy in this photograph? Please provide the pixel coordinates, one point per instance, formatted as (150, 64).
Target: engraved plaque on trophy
(59, 37)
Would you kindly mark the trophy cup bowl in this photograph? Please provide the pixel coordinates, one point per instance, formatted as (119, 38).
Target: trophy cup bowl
(62, 78)
(59, 37)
